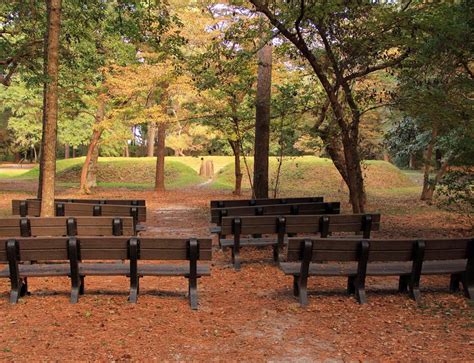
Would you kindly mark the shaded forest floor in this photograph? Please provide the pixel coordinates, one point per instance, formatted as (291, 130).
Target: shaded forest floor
(246, 315)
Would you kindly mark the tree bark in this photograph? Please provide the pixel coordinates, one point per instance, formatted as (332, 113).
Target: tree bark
(66, 151)
(262, 122)
(425, 193)
(93, 146)
(151, 137)
(91, 181)
(50, 110)
(412, 162)
(160, 157)
(235, 145)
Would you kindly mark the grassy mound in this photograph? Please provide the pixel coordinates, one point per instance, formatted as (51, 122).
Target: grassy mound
(305, 175)
(124, 172)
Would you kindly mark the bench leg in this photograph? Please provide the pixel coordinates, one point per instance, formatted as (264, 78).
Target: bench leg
(81, 289)
(360, 295)
(133, 255)
(403, 283)
(454, 282)
(236, 258)
(13, 253)
(192, 291)
(303, 291)
(468, 287)
(134, 290)
(296, 290)
(350, 285)
(276, 254)
(24, 287)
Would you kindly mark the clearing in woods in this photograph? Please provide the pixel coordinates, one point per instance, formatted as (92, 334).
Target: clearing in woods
(246, 315)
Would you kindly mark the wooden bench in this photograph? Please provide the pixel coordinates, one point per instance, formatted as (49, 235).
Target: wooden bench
(253, 202)
(77, 249)
(140, 202)
(356, 259)
(279, 209)
(290, 224)
(33, 208)
(65, 226)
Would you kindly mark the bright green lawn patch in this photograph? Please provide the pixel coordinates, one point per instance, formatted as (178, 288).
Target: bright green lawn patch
(12, 173)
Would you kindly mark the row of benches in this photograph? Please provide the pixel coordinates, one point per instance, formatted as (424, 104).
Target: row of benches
(354, 259)
(327, 256)
(81, 232)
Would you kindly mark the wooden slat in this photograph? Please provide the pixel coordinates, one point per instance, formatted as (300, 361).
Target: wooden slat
(172, 254)
(299, 223)
(270, 201)
(83, 209)
(140, 202)
(303, 208)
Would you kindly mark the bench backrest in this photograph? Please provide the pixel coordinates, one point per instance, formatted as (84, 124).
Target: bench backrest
(33, 208)
(310, 224)
(66, 226)
(103, 248)
(277, 209)
(269, 201)
(140, 202)
(333, 249)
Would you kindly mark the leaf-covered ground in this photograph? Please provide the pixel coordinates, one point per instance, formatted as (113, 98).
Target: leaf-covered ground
(248, 315)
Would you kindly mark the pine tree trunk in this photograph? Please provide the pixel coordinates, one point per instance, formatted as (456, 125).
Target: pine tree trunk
(262, 122)
(66, 151)
(151, 137)
(50, 113)
(237, 167)
(160, 158)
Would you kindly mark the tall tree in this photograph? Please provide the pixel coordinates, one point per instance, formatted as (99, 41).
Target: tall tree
(50, 106)
(262, 121)
(343, 45)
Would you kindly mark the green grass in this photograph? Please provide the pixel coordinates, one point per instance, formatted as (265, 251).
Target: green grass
(135, 173)
(12, 173)
(307, 175)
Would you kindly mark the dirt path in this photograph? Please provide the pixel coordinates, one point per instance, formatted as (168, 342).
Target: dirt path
(248, 315)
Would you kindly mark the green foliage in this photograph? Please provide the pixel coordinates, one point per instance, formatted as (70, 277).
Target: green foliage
(456, 192)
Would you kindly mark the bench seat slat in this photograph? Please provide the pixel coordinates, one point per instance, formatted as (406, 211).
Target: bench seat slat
(250, 242)
(105, 269)
(376, 269)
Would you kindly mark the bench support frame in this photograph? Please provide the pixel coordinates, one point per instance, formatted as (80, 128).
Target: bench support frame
(134, 256)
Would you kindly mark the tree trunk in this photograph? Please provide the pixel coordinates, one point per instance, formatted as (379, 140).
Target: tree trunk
(412, 162)
(50, 106)
(93, 146)
(66, 151)
(160, 157)
(151, 137)
(91, 181)
(235, 145)
(428, 195)
(262, 122)
(126, 151)
(425, 193)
